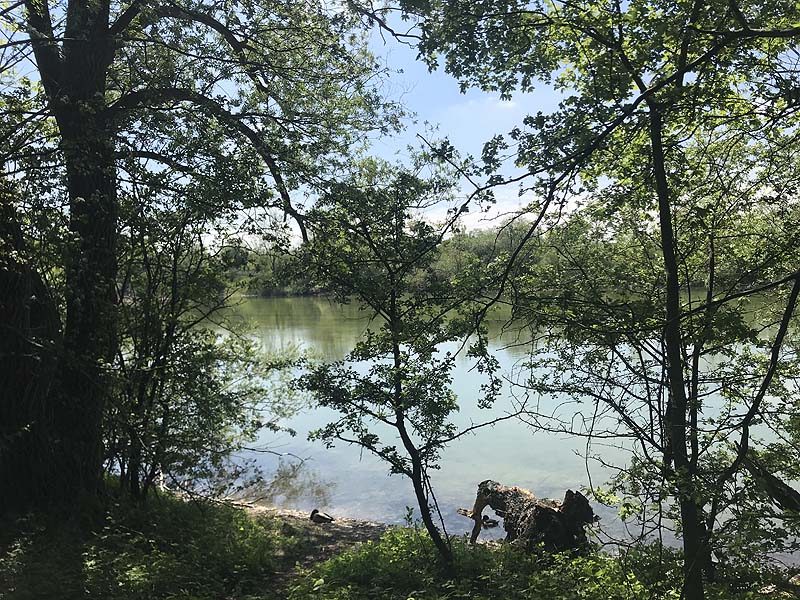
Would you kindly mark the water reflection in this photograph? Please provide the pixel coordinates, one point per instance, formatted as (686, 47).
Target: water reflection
(293, 480)
(358, 485)
(318, 325)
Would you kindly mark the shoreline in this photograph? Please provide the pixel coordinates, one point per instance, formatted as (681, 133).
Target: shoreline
(323, 541)
(302, 516)
(346, 532)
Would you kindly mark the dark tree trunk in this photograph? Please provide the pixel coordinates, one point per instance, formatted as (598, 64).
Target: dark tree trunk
(684, 480)
(74, 78)
(29, 339)
(90, 333)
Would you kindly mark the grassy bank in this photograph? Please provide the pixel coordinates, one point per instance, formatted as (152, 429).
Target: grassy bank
(175, 549)
(166, 549)
(403, 566)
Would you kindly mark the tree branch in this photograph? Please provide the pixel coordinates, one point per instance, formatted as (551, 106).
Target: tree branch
(45, 49)
(144, 97)
(126, 17)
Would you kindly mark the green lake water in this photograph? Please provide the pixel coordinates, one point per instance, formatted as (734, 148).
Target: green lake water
(345, 481)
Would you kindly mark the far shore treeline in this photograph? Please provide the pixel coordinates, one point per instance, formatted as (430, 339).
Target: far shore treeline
(271, 272)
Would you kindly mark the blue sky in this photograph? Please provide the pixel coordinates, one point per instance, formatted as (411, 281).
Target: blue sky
(468, 119)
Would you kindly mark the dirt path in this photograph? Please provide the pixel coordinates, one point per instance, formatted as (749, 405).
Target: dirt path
(324, 540)
(316, 542)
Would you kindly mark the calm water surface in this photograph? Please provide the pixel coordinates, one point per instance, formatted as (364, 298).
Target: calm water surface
(346, 482)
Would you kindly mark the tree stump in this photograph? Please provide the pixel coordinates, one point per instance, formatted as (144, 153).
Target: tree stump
(532, 522)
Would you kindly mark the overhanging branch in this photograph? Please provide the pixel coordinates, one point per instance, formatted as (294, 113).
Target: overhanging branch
(156, 96)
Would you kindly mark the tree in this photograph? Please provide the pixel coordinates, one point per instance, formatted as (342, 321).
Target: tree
(474, 252)
(191, 390)
(31, 327)
(642, 72)
(370, 241)
(602, 296)
(273, 95)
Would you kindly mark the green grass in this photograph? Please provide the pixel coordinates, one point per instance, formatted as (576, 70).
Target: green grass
(165, 549)
(173, 549)
(403, 566)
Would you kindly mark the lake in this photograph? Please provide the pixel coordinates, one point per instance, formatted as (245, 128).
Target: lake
(347, 482)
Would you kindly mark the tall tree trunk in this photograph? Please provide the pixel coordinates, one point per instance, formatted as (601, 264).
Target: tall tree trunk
(90, 333)
(74, 78)
(418, 481)
(684, 480)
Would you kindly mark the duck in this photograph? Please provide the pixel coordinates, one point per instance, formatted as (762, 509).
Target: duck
(487, 522)
(320, 517)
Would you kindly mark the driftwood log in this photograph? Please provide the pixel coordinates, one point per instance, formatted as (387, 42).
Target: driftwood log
(532, 522)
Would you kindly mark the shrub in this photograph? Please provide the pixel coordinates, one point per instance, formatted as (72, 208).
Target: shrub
(166, 548)
(401, 566)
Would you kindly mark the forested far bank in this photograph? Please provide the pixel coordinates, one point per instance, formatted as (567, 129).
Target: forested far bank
(275, 272)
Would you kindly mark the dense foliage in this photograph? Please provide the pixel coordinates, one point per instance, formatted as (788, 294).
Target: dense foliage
(121, 160)
(400, 566)
(654, 264)
(136, 109)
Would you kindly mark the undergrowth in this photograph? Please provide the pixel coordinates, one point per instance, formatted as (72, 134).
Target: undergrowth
(173, 549)
(403, 566)
(167, 548)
